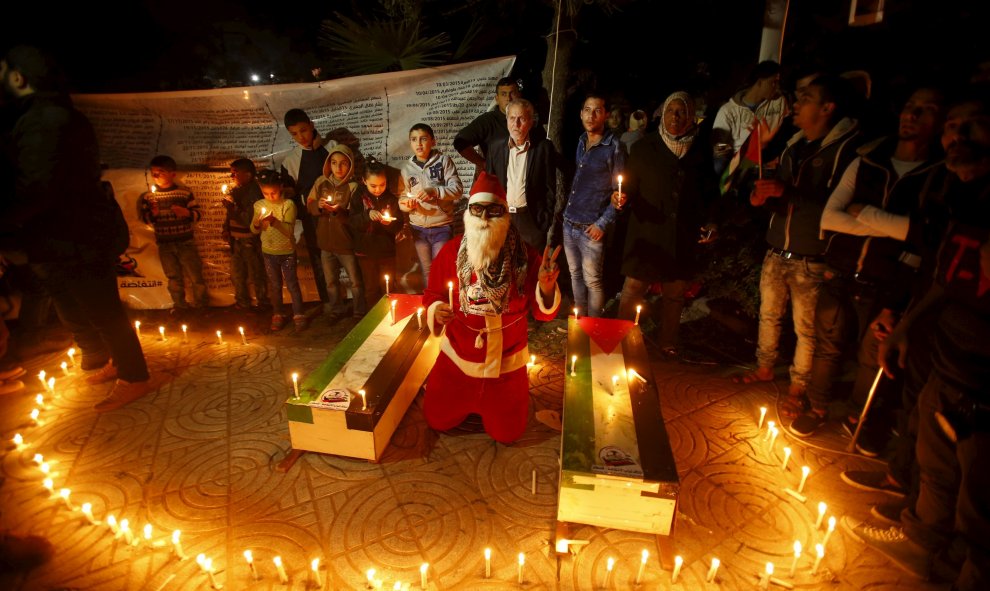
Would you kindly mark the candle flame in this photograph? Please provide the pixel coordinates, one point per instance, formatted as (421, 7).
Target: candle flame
(248, 556)
(797, 547)
(769, 568)
(522, 559)
(175, 536)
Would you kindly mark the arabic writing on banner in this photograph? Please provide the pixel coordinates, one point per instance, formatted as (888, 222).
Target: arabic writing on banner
(204, 130)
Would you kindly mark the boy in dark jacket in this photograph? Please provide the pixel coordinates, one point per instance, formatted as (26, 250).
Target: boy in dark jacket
(245, 246)
(375, 221)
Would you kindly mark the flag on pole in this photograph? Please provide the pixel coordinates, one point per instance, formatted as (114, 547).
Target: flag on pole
(749, 155)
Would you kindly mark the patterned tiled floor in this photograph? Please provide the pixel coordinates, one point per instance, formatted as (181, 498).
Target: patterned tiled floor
(199, 455)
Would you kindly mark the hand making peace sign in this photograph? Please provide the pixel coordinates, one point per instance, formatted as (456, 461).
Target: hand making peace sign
(549, 271)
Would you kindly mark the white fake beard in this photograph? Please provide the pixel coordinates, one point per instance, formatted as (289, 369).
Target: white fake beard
(484, 238)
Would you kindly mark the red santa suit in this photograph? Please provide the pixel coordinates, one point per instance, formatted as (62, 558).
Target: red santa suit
(483, 354)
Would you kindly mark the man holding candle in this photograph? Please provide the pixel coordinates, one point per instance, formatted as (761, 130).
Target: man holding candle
(497, 278)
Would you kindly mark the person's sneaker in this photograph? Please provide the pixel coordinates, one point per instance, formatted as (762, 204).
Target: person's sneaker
(889, 513)
(12, 374)
(11, 387)
(874, 481)
(279, 321)
(93, 361)
(806, 424)
(870, 443)
(123, 393)
(107, 372)
(893, 544)
(300, 322)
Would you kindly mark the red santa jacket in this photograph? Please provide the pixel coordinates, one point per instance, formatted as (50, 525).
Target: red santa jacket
(503, 338)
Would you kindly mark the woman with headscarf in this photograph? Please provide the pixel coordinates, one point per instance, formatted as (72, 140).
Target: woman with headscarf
(670, 190)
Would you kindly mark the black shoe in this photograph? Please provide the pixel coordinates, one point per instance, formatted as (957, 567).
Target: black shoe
(874, 481)
(889, 513)
(806, 424)
(870, 443)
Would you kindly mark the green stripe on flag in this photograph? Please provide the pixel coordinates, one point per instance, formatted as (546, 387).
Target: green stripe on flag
(314, 383)
(578, 437)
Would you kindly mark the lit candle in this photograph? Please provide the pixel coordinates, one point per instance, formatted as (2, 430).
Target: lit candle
(770, 427)
(112, 524)
(573, 364)
(39, 399)
(125, 528)
(642, 566)
(154, 189)
(34, 417)
(250, 560)
(64, 493)
(41, 376)
(44, 467)
(147, 534)
(263, 212)
(763, 415)
(364, 399)
(819, 554)
(608, 571)
(51, 385)
(787, 456)
(137, 328)
(488, 563)
(713, 570)
(223, 189)
(18, 441)
(522, 563)
(638, 310)
(678, 563)
(87, 511)
(773, 436)
(38, 459)
(387, 216)
(822, 508)
(295, 384)
(314, 566)
(392, 310)
(240, 329)
(828, 532)
(532, 361)
(72, 356)
(386, 285)
(397, 586)
(161, 332)
(282, 577)
(804, 478)
(765, 579)
(201, 561)
(450, 294)
(177, 545)
(532, 486)
(575, 313)
(208, 567)
(371, 578)
(419, 317)
(422, 574)
(49, 485)
(797, 556)
(219, 337)
(620, 185)
(65, 368)
(185, 333)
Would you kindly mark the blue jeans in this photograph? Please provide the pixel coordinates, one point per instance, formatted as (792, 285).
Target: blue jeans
(179, 257)
(278, 266)
(332, 262)
(428, 242)
(585, 258)
(245, 262)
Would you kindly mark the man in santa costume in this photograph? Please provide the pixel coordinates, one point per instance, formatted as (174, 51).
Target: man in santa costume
(481, 286)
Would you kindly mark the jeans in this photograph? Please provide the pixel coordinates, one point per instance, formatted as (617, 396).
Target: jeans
(278, 266)
(634, 293)
(428, 242)
(584, 258)
(800, 282)
(332, 262)
(309, 236)
(88, 304)
(373, 270)
(953, 498)
(246, 262)
(178, 258)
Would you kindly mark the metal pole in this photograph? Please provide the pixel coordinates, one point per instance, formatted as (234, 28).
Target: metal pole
(866, 409)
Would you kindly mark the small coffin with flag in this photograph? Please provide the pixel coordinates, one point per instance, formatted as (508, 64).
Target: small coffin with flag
(617, 468)
(388, 356)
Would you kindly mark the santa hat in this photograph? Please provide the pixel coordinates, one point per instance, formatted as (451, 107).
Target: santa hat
(487, 189)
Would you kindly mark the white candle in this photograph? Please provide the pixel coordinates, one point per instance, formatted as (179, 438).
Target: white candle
(522, 563)
(185, 333)
(38, 459)
(573, 364)
(282, 577)
(770, 427)
(765, 579)
(49, 485)
(147, 534)
(364, 399)
(161, 332)
(819, 554)
(386, 285)
(787, 456)
(608, 571)
(64, 493)
(678, 563)
(773, 436)
(223, 189)
(797, 556)
(488, 563)
(532, 361)
(87, 510)
(450, 294)
(201, 561)
(392, 310)
(72, 356)
(219, 337)
(638, 310)
(51, 385)
(642, 566)
(422, 575)
(44, 467)
(804, 478)
(713, 570)
(371, 578)
(177, 545)
(125, 528)
(137, 328)
(419, 317)
(249, 558)
(532, 486)
(40, 400)
(295, 384)
(763, 415)
(620, 186)
(314, 566)
(41, 376)
(828, 532)
(208, 567)
(240, 329)
(65, 368)
(112, 524)
(822, 508)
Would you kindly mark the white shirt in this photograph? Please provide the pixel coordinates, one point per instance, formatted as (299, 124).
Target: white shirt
(872, 221)
(515, 176)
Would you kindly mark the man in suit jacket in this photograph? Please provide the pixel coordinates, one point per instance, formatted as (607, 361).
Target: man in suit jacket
(525, 164)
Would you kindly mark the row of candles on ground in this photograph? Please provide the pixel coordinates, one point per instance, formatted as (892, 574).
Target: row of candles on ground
(185, 333)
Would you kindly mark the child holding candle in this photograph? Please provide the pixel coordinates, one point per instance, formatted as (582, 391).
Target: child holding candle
(329, 201)
(374, 232)
(172, 210)
(274, 219)
(245, 246)
(432, 192)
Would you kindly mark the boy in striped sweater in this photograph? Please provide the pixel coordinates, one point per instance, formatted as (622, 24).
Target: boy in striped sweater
(171, 210)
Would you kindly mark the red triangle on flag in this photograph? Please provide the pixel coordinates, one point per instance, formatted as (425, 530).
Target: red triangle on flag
(405, 304)
(606, 332)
